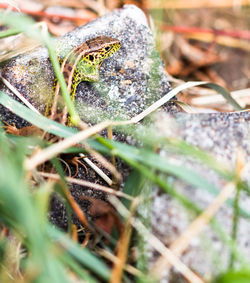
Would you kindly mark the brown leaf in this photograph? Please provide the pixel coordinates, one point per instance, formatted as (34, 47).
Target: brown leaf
(104, 215)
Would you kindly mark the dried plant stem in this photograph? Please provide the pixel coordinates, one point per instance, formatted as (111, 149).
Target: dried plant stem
(123, 247)
(46, 154)
(168, 255)
(97, 170)
(129, 268)
(157, 244)
(19, 95)
(76, 208)
(86, 184)
(163, 100)
(106, 164)
(217, 99)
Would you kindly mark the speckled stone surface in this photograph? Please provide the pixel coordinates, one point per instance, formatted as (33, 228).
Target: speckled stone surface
(222, 135)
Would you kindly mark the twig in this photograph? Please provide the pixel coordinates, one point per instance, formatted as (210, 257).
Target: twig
(86, 184)
(243, 34)
(109, 166)
(51, 151)
(19, 95)
(49, 15)
(129, 268)
(157, 244)
(122, 247)
(97, 170)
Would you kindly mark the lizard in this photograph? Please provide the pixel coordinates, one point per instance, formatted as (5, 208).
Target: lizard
(80, 64)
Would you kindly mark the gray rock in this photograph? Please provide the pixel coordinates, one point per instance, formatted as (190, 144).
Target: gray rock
(222, 135)
(130, 81)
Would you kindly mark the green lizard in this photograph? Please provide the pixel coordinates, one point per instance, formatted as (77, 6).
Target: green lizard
(82, 64)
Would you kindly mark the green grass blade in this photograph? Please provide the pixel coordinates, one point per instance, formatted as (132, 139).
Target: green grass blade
(226, 94)
(80, 254)
(240, 276)
(29, 27)
(34, 118)
(9, 32)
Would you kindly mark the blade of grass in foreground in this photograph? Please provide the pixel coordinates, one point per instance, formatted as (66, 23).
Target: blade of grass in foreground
(135, 156)
(122, 150)
(9, 32)
(29, 27)
(83, 256)
(25, 215)
(34, 118)
(23, 218)
(233, 276)
(130, 154)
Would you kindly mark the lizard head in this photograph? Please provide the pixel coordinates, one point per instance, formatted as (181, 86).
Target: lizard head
(99, 49)
(96, 50)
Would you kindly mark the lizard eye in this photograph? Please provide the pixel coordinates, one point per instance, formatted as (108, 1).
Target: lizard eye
(91, 57)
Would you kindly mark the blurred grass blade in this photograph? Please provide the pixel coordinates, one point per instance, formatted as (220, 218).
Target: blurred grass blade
(20, 212)
(80, 254)
(226, 94)
(240, 276)
(34, 118)
(78, 269)
(9, 32)
(135, 156)
(157, 162)
(124, 151)
(29, 27)
(23, 213)
(133, 186)
(182, 147)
